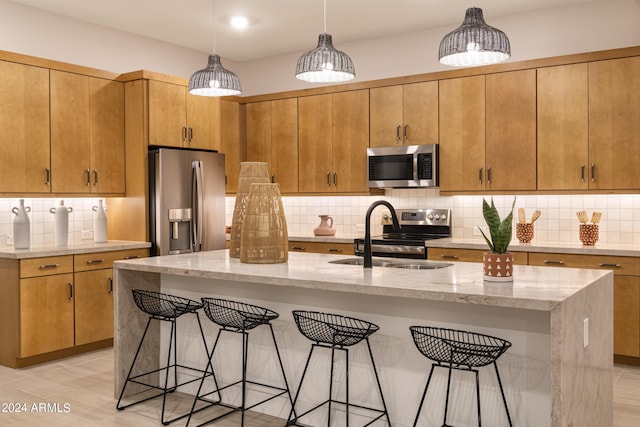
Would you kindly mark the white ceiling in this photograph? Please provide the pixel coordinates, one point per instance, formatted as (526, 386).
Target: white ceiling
(279, 26)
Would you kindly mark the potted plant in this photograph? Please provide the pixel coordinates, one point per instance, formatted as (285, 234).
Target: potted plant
(498, 262)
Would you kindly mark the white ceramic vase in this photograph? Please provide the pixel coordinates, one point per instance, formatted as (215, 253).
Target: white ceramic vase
(99, 223)
(21, 227)
(61, 216)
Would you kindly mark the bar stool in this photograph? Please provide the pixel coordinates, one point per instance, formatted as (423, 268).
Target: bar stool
(165, 308)
(335, 332)
(238, 317)
(461, 350)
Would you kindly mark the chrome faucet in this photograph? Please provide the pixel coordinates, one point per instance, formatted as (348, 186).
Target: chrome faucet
(368, 262)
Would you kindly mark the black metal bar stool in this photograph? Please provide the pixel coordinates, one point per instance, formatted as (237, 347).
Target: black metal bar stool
(166, 308)
(336, 332)
(240, 318)
(461, 350)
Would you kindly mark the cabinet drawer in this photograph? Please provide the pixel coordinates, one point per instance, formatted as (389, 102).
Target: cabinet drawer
(322, 247)
(101, 260)
(35, 267)
(468, 255)
(625, 266)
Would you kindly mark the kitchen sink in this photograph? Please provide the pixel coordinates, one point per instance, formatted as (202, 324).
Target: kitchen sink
(410, 265)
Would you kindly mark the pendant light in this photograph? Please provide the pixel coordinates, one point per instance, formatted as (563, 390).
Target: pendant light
(474, 43)
(214, 80)
(325, 64)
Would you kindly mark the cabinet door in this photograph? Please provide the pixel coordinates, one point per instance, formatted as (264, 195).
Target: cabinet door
(167, 114)
(259, 132)
(93, 306)
(626, 316)
(203, 122)
(614, 124)
(350, 139)
(386, 116)
(563, 117)
(70, 149)
(24, 124)
(230, 143)
(510, 146)
(420, 112)
(107, 136)
(462, 134)
(46, 314)
(284, 144)
(315, 124)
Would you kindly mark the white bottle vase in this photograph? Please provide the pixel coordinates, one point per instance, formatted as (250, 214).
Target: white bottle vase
(61, 215)
(99, 223)
(21, 227)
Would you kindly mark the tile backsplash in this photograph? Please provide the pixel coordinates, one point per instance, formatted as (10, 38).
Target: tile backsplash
(558, 223)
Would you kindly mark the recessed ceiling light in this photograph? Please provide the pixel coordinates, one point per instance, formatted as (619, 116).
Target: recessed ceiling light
(239, 22)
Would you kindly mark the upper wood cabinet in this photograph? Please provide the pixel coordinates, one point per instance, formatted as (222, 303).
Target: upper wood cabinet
(404, 114)
(614, 124)
(272, 137)
(178, 119)
(230, 143)
(563, 130)
(87, 134)
(333, 140)
(24, 124)
(488, 132)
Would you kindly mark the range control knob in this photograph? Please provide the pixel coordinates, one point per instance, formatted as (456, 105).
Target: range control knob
(430, 216)
(443, 217)
(437, 217)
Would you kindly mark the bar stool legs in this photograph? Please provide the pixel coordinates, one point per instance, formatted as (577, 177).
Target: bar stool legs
(167, 308)
(460, 350)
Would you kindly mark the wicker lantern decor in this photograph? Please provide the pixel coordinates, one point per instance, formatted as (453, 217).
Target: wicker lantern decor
(250, 172)
(264, 238)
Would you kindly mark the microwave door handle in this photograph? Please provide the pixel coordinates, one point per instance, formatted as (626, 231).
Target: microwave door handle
(415, 167)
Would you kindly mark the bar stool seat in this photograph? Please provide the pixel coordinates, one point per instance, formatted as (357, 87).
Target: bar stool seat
(336, 332)
(461, 350)
(168, 308)
(238, 317)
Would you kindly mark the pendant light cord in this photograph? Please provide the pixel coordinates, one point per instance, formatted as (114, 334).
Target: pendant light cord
(214, 26)
(325, 16)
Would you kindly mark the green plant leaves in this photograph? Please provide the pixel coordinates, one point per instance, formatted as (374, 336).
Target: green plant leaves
(500, 231)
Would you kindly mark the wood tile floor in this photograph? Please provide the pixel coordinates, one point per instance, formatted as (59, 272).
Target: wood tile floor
(78, 391)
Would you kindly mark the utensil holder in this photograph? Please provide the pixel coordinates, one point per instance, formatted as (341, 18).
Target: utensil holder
(589, 234)
(524, 232)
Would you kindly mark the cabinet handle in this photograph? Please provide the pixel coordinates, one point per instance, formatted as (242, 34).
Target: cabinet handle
(298, 248)
(334, 250)
(604, 264)
(488, 175)
(88, 172)
(405, 132)
(593, 172)
(184, 133)
(551, 261)
(70, 290)
(131, 257)
(45, 266)
(398, 132)
(47, 176)
(480, 175)
(335, 179)
(273, 179)
(445, 256)
(582, 173)
(328, 178)
(190, 134)
(95, 261)
(110, 285)
(95, 177)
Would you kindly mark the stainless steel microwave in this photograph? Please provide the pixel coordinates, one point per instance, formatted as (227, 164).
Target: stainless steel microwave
(401, 167)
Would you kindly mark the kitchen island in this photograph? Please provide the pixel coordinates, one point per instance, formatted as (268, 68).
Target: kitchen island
(557, 373)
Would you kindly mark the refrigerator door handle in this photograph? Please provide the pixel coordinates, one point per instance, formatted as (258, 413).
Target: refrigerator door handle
(198, 205)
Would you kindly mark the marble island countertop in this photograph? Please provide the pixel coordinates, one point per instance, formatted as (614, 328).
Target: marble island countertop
(614, 249)
(534, 288)
(9, 252)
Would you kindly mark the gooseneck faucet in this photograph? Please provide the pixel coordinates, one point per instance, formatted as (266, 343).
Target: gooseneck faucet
(368, 262)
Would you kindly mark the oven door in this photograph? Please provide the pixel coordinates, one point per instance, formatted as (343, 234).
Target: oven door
(382, 248)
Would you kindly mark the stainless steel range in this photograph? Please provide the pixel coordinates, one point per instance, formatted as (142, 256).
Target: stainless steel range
(417, 226)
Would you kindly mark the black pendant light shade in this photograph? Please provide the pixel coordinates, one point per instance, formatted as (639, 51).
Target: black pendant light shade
(214, 80)
(325, 63)
(474, 43)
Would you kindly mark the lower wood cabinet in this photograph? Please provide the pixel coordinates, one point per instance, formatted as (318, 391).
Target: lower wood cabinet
(321, 247)
(468, 255)
(52, 307)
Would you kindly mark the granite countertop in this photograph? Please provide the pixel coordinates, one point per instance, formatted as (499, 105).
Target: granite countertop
(613, 249)
(534, 288)
(71, 249)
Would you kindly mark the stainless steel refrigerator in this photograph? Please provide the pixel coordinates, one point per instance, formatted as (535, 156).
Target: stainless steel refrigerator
(186, 201)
